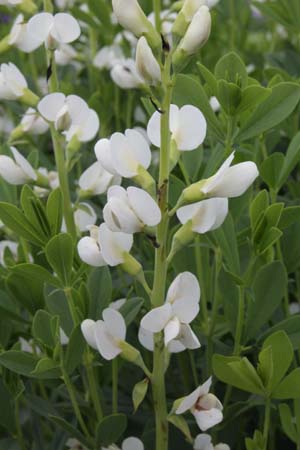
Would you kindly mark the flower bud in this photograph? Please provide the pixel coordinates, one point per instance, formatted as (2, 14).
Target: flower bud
(195, 37)
(131, 16)
(146, 64)
(185, 16)
(181, 238)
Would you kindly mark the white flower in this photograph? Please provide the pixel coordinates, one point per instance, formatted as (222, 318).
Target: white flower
(105, 335)
(64, 55)
(12, 246)
(21, 38)
(12, 82)
(33, 123)
(108, 56)
(62, 4)
(204, 216)
(214, 103)
(6, 125)
(103, 246)
(96, 180)
(294, 308)
(130, 16)
(146, 64)
(64, 340)
(18, 170)
(71, 115)
(51, 175)
(124, 154)
(187, 125)
(230, 181)
(204, 442)
(84, 216)
(198, 31)
(125, 75)
(186, 14)
(10, 2)
(117, 304)
(180, 309)
(55, 29)
(130, 210)
(205, 407)
(89, 249)
(73, 444)
(130, 443)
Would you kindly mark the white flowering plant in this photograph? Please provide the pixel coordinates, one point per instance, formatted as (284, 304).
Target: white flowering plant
(150, 225)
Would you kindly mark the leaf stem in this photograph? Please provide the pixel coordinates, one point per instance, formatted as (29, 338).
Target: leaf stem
(115, 376)
(267, 422)
(240, 322)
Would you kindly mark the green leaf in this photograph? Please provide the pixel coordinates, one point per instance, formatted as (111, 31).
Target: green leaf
(258, 207)
(72, 431)
(180, 423)
(75, 350)
(19, 362)
(100, 290)
(209, 77)
(7, 415)
(282, 355)
(269, 239)
(46, 369)
(265, 367)
(35, 212)
(237, 372)
(110, 429)
(291, 326)
(139, 393)
(268, 288)
(270, 169)
(226, 237)
(291, 160)
(287, 422)
(16, 221)
(131, 309)
(289, 216)
(45, 328)
(232, 69)
(59, 253)
(289, 388)
(276, 108)
(55, 211)
(229, 96)
(187, 90)
(251, 97)
(57, 304)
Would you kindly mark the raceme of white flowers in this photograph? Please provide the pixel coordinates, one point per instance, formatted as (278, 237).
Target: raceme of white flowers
(173, 318)
(205, 407)
(70, 115)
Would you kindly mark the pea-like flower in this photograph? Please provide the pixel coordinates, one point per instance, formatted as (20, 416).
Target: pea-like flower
(33, 123)
(131, 210)
(89, 249)
(130, 443)
(185, 16)
(71, 115)
(205, 407)
(84, 216)
(16, 170)
(204, 442)
(127, 155)
(124, 73)
(105, 335)
(54, 30)
(108, 56)
(12, 82)
(146, 64)
(187, 125)
(20, 37)
(180, 309)
(95, 180)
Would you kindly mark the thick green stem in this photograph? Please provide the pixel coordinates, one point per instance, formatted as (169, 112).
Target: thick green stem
(159, 394)
(267, 422)
(93, 384)
(157, 8)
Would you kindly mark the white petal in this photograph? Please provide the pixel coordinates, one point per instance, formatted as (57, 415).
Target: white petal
(203, 442)
(184, 295)
(89, 252)
(65, 28)
(78, 109)
(24, 164)
(176, 347)
(144, 206)
(139, 147)
(114, 245)
(208, 419)
(14, 78)
(104, 155)
(118, 192)
(186, 213)
(146, 338)
(115, 323)
(192, 128)
(132, 443)
(171, 330)
(189, 401)
(120, 217)
(205, 387)
(214, 180)
(40, 25)
(156, 319)
(95, 179)
(85, 217)
(117, 304)
(50, 105)
(222, 447)
(153, 129)
(123, 158)
(90, 127)
(11, 172)
(188, 338)
(206, 215)
(88, 328)
(105, 342)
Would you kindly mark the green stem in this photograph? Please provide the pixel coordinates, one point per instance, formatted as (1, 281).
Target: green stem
(63, 181)
(240, 322)
(157, 8)
(204, 309)
(232, 23)
(267, 422)
(115, 376)
(74, 402)
(159, 394)
(93, 385)
(72, 307)
(18, 425)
